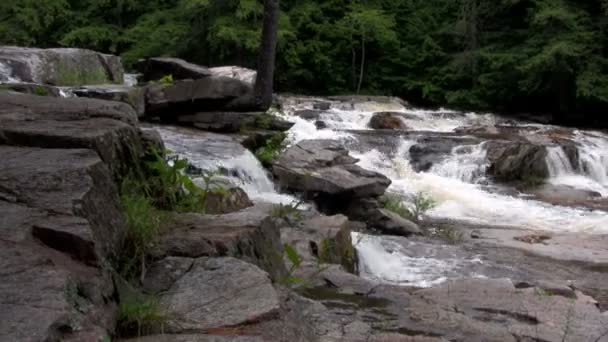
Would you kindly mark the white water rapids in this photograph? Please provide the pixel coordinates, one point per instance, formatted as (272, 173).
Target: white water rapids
(458, 183)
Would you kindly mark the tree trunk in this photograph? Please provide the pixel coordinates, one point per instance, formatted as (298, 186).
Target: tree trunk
(362, 64)
(267, 56)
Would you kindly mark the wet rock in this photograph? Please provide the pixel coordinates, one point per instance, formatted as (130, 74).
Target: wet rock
(77, 189)
(59, 67)
(154, 69)
(566, 196)
(133, 96)
(433, 148)
(151, 139)
(391, 223)
(219, 293)
(387, 120)
(104, 126)
(320, 124)
(324, 239)
(245, 234)
(321, 105)
(242, 74)
(232, 122)
(32, 89)
(308, 114)
(205, 94)
(324, 168)
(517, 161)
(224, 197)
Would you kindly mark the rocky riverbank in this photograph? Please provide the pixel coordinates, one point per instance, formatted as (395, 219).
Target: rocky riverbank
(254, 264)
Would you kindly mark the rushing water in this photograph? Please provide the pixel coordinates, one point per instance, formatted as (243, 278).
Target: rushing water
(458, 183)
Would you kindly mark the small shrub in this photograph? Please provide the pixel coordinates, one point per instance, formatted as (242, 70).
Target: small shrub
(41, 91)
(450, 235)
(287, 211)
(271, 150)
(263, 121)
(295, 259)
(421, 203)
(166, 80)
(139, 315)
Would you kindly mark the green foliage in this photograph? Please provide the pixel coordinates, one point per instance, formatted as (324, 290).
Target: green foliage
(271, 150)
(287, 212)
(515, 55)
(41, 91)
(139, 314)
(166, 80)
(450, 235)
(414, 211)
(295, 260)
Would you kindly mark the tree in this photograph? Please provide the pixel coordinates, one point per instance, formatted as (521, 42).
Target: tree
(267, 56)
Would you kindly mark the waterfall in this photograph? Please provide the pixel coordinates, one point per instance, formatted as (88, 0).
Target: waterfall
(558, 162)
(466, 163)
(6, 74)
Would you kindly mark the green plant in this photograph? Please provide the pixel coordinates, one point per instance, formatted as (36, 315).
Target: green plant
(263, 120)
(326, 250)
(421, 203)
(166, 80)
(531, 181)
(271, 149)
(41, 91)
(450, 235)
(139, 314)
(287, 212)
(295, 260)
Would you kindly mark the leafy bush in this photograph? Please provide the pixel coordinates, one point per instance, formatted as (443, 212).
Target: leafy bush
(271, 150)
(166, 80)
(139, 315)
(287, 212)
(421, 203)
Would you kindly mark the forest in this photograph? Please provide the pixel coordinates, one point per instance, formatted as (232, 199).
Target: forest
(530, 56)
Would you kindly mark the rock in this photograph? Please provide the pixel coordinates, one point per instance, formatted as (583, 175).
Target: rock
(77, 189)
(46, 122)
(324, 239)
(202, 95)
(219, 293)
(324, 168)
(320, 124)
(321, 105)
(242, 74)
(432, 149)
(194, 338)
(391, 223)
(387, 120)
(308, 114)
(32, 89)
(46, 296)
(151, 139)
(232, 122)
(517, 161)
(255, 139)
(566, 195)
(154, 69)
(224, 197)
(59, 67)
(245, 234)
(133, 96)
(162, 274)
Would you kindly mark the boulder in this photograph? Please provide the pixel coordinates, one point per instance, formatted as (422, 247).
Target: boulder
(246, 234)
(242, 74)
(387, 120)
(194, 338)
(133, 96)
(158, 67)
(324, 239)
(517, 161)
(32, 89)
(324, 168)
(308, 114)
(104, 126)
(224, 197)
(219, 293)
(232, 122)
(432, 148)
(76, 189)
(205, 94)
(59, 67)
(391, 223)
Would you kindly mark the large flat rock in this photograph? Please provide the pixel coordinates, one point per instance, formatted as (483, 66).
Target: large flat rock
(104, 126)
(324, 167)
(219, 293)
(60, 67)
(246, 234)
